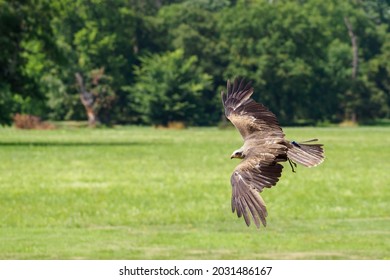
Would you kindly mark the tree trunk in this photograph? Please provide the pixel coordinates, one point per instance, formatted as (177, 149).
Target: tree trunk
(349, 110)
(87, 99)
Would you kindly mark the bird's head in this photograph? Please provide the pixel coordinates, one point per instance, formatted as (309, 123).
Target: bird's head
(237, 154)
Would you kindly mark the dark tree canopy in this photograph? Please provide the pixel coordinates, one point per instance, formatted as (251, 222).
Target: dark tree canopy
(300, 55)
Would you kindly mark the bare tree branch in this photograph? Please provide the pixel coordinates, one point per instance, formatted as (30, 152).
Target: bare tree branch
(87, 99)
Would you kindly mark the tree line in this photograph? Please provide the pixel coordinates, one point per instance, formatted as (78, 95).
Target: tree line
(161, 61)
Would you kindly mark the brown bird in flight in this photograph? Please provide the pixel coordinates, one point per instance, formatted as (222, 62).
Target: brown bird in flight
(263, 150)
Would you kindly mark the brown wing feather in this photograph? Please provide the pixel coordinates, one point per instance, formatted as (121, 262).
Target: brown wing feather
(247, 115)
(247, 181)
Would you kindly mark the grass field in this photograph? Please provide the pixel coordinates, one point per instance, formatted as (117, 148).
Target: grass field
(142, 193)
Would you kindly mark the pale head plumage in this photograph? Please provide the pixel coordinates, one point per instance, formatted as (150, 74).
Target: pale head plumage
(238, 154)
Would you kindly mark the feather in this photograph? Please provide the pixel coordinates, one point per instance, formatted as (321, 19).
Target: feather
(264, 147)
(247, 180)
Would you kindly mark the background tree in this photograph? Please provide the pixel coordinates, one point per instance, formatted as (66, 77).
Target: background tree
(192, 27)
(24, 34)
(297, 53)
(299, 56)
(96, 96)
(169, 88)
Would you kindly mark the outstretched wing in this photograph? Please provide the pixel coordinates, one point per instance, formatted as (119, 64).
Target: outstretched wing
(249, 178)
(247, 115)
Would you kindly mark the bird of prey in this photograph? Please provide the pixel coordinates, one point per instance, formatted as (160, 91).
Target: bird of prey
(264, 149)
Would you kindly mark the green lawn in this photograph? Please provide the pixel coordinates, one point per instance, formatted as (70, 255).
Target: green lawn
(142, 193)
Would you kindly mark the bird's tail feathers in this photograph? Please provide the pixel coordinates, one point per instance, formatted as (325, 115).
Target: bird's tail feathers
(308, 155)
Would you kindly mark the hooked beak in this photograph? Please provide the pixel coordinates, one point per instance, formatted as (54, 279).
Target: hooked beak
(237, 155)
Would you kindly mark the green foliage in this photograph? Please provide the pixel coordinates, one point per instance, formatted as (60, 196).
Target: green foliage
(58, 100)
(297, 53)
(169, 88)
(300, 56)
(22, 33)
(91, 36)
(192, 26)
(5, 104)
(142, 193)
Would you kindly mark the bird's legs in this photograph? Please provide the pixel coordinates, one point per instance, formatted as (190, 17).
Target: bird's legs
(292, 164)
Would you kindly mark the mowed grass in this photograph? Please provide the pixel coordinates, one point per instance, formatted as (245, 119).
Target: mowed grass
(144, 193)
